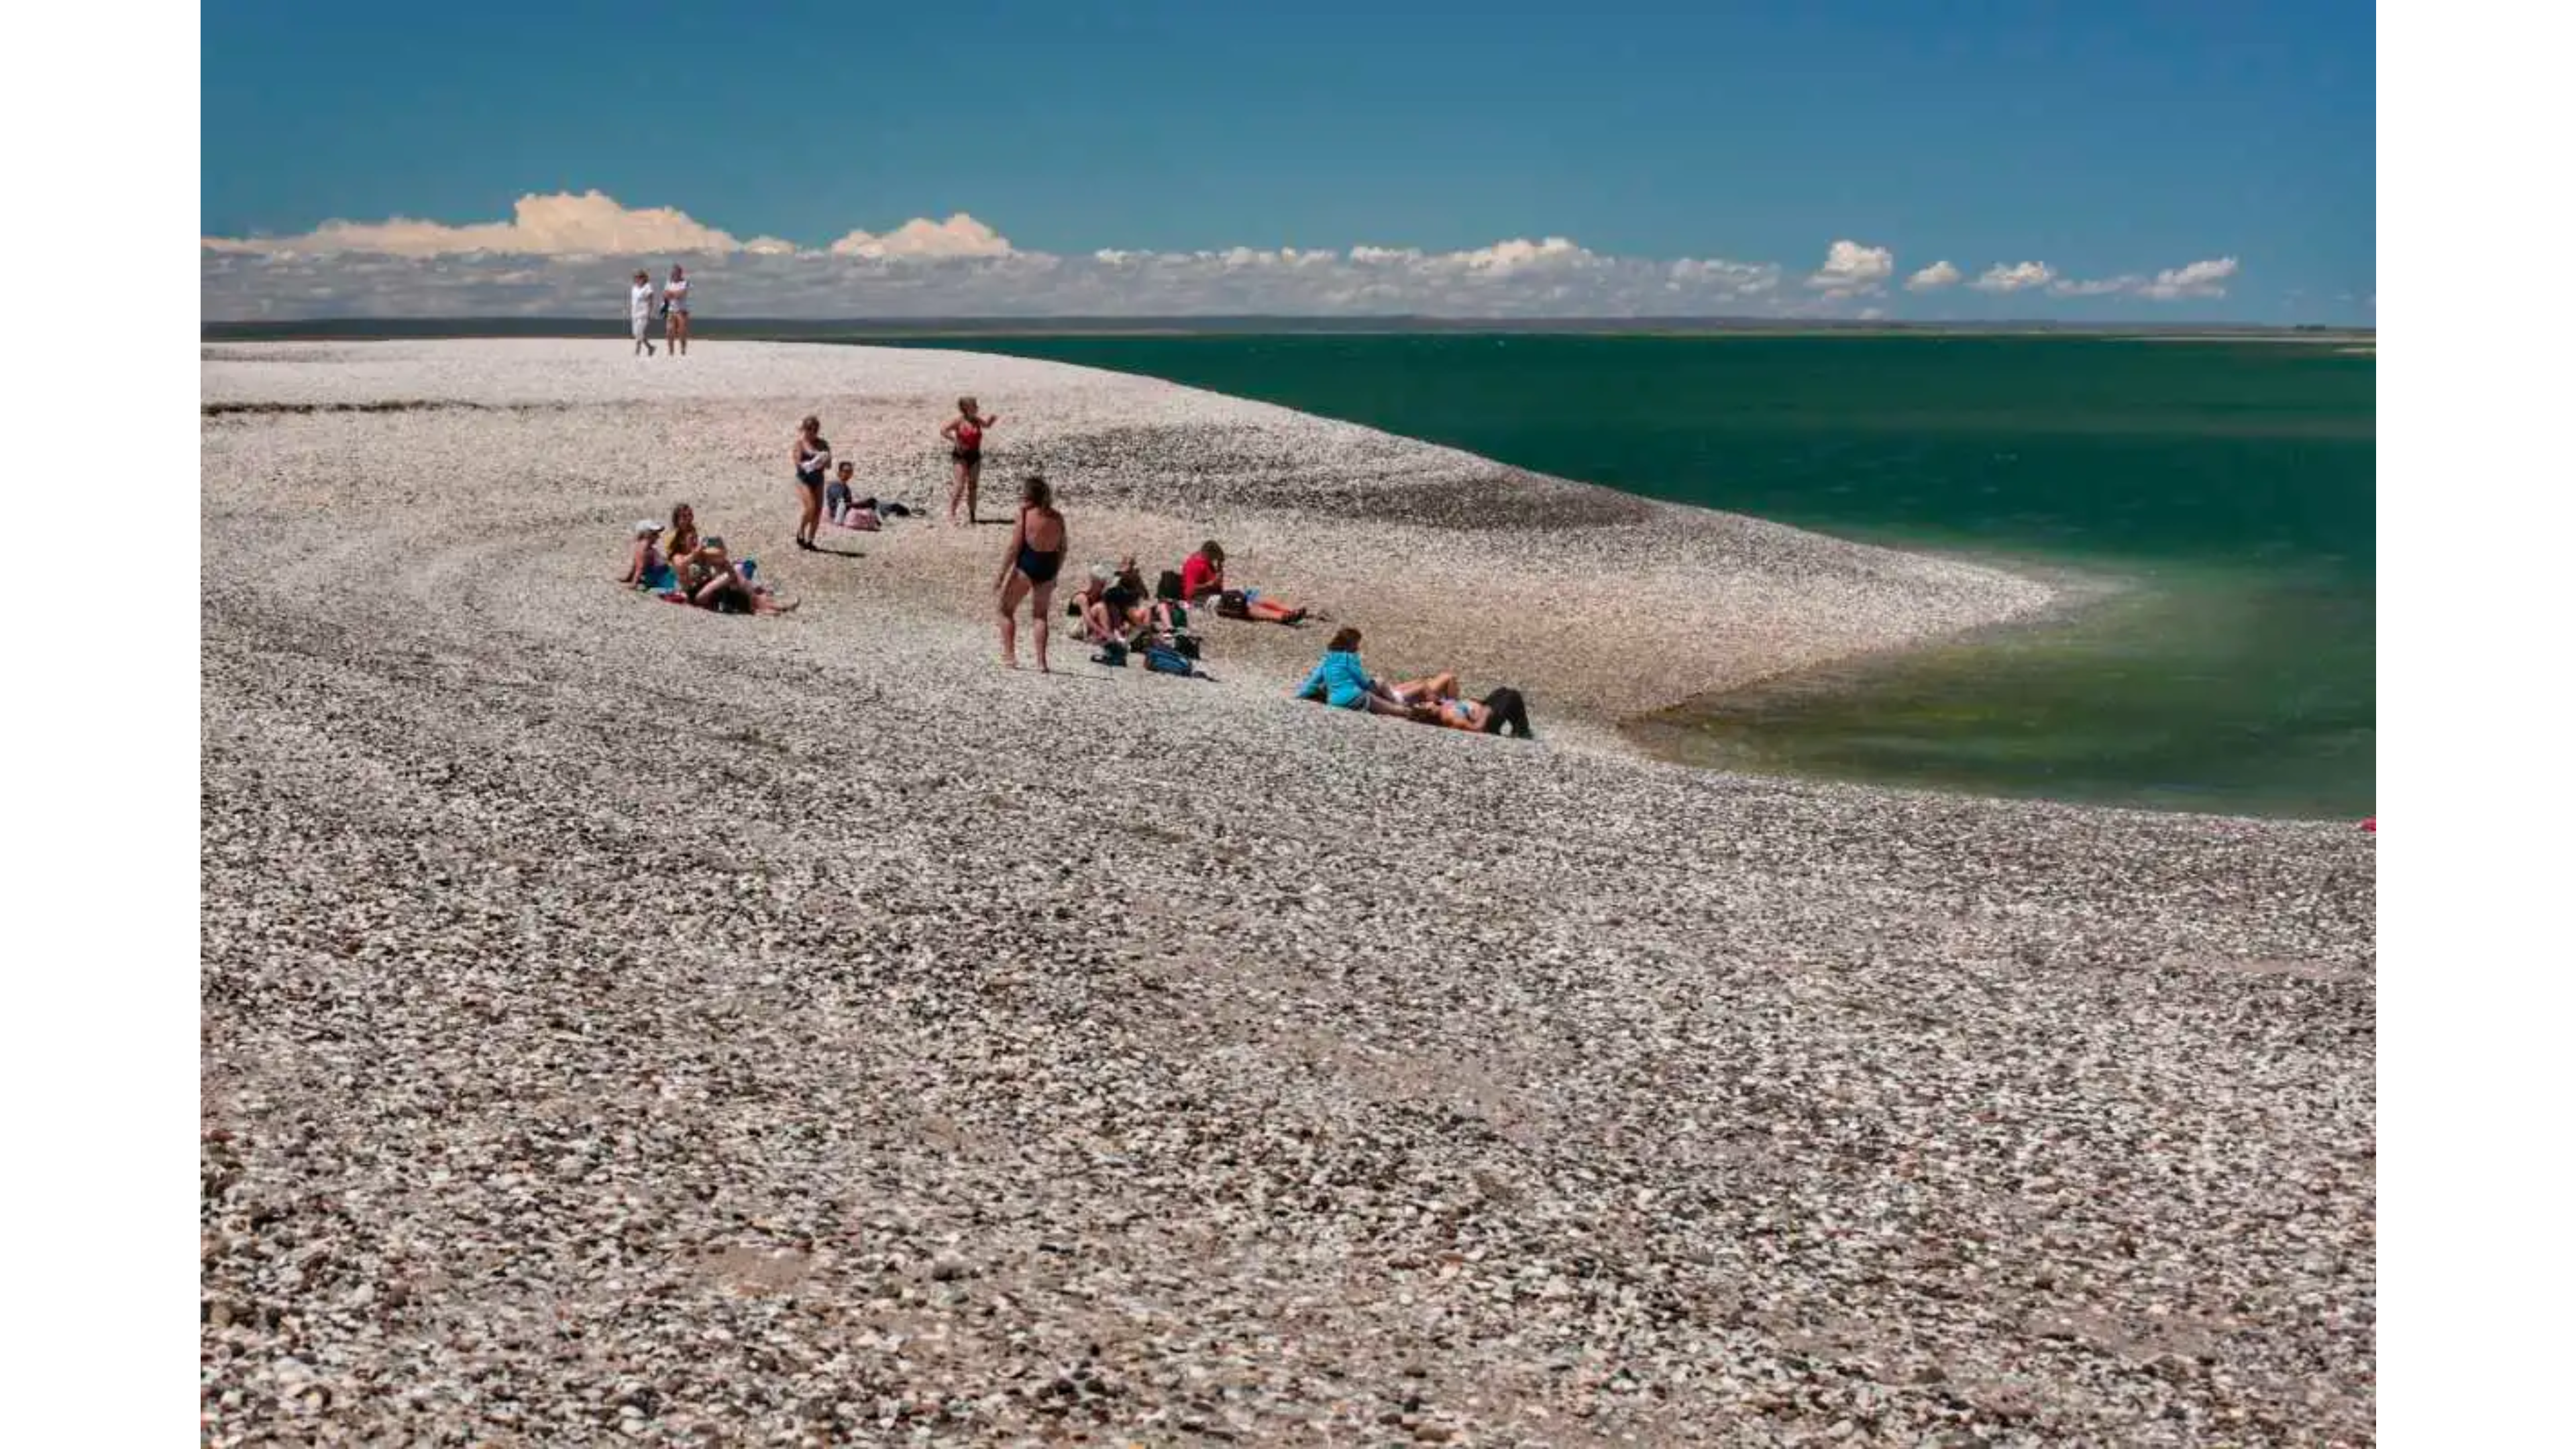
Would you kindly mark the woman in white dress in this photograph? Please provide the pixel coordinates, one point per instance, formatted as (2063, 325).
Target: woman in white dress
(639, 311)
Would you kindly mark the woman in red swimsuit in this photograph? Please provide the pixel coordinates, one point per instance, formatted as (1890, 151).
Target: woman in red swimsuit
(965, 435)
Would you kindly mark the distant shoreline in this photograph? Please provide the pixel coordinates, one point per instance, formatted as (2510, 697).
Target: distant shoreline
(775, 329)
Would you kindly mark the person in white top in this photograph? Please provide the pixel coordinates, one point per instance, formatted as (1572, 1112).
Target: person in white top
(639, 311)
(675, 311)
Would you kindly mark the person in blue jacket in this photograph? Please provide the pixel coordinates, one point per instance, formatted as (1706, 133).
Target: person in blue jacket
(1343, 682)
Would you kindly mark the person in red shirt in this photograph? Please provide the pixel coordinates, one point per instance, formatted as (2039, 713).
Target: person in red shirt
(1203, 575)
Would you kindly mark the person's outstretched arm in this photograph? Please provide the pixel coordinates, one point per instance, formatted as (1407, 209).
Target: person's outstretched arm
(1313, 682)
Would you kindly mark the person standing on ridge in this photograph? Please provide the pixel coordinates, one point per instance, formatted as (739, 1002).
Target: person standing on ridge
(812, 457)
(675, 312)
(639, 310)
(965, 435)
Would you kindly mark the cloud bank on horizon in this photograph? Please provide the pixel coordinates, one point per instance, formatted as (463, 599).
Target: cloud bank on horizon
(550, 259)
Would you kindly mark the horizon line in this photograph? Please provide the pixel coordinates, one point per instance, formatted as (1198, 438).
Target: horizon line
(1192, 321)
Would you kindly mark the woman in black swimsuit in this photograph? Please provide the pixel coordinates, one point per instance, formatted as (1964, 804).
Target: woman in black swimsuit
(812, 458)
(1029, 568)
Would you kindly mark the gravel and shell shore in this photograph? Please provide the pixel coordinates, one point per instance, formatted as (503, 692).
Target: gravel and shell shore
(626, 1022)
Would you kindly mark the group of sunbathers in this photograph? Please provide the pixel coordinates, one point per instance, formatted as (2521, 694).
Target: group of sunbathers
(1116, 602)
(1115, 606)
(687, 567)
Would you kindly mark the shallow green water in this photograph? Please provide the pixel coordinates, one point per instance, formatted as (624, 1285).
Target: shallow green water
(2231, 483)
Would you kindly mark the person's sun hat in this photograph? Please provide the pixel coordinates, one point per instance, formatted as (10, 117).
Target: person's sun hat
(647, 525)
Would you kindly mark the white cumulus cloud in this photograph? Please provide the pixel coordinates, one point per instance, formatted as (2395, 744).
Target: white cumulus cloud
(959, 236)
(2196, 279)
(2020, 276)
(568, 255)
(2202, 279)
(1850, 268)
(1513, 255)
(591, 224)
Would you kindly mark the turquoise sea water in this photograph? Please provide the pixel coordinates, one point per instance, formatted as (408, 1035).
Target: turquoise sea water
(2229, 485)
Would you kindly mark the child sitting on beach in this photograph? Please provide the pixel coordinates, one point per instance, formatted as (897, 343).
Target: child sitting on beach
(1203, 576)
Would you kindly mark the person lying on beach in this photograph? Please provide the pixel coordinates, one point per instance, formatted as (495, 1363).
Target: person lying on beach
(1428, 689)
(1344, 681)
(1029, 568)
(1500, 712)
(965, 435)
(647, 567)
(1203, 577)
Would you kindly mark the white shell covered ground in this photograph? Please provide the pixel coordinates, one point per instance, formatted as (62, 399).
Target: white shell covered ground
(627, 1021)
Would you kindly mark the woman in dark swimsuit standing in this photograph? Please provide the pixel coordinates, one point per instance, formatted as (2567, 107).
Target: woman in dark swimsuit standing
(965, 435)
(1029, 568)
(813, 458)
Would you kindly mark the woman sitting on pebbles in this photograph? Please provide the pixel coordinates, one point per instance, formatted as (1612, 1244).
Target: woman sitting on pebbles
(1203, 576)
(682, 540)
(1344, 683)
(1091, 605)
(1029, 567)
(647, 567)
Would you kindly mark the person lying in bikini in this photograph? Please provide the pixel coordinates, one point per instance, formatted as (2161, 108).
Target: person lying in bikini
(1501, 712)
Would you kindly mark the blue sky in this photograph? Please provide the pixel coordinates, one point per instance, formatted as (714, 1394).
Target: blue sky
(2108, 142)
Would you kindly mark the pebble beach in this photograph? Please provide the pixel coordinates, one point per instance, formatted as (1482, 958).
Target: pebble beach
(622, 1022)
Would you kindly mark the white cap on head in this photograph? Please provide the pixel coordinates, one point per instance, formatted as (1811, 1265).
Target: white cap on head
(648, 525)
